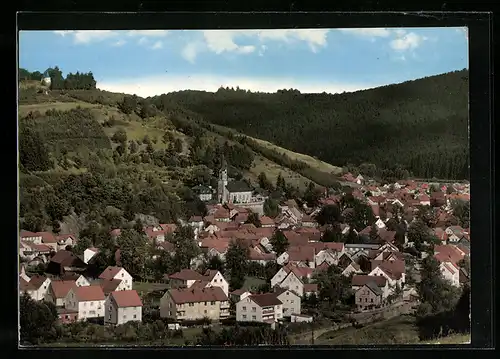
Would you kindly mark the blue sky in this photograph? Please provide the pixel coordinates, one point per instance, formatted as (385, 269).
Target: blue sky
(151, 62)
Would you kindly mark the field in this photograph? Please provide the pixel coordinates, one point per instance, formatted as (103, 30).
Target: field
(23, 110)
(253, 282)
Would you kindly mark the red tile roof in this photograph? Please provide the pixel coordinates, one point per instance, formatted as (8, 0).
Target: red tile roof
(110, 285)
(60, 288)
(25, 286)
(265, 220)
(126, 298)
(89, 293)
(191, 295)
(448, 253)
(266, 299)
(110, 272)
(187, 274)
(361, 280)
(310, 288)
(37, 280)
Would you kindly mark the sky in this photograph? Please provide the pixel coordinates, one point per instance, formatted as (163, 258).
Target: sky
(152, 62)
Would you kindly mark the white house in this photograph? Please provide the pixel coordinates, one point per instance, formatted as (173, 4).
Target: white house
(450, 272)
(264, 308)
(380, 223)
(87, 301)
(291, 301)
(117, 273)
(392, 271)
(214, 278)
(89, 253)
(122, 307)
(327, 255)
(351, 268)
(58, 291)
(37, 287)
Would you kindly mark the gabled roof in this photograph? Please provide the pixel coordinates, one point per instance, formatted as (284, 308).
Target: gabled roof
(110, 285)
(126, 298)
(191, 295)
(67, 258)
(373, 287)
(25, 286)
(37, 280)
(187, 274)
(361, 280)
(238, 186)
(265, 299)
(110, 272)
(89, 293)
(60, 288)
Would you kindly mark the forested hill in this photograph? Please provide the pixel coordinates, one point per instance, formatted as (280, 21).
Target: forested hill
(421, 125)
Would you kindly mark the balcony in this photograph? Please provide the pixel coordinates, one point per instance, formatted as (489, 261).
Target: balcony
(224, 305)
(268, 311)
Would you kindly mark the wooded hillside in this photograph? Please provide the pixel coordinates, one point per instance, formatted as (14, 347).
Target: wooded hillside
(421, 125)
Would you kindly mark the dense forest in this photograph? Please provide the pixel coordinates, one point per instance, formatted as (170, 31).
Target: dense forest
(77, 81)
(420, 125)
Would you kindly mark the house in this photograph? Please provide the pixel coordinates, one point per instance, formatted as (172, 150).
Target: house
(79, 279)
(448, 253)
(380, 223)
(192, 303)
(65, 240)
(46, 238)
(344, 260)
(293, 279)
(196, 222)
(113, 285)
(30, 251)
(204, 193)
(184, 279)
(117, 273)
(239, 294)
(213, 278)
(87, 301)
(122, 307)
(37, 287)
(260, 256)
(291, 301)
(263, 308)
(89, 253)
(308, 221)
(455, 233)
(352, 268)
(369, 296)
(354, 247)
(393, 271)
(359, 281)
(58, 291)
(267, 222)
(300, 255)
(450, 272)
(65, 261)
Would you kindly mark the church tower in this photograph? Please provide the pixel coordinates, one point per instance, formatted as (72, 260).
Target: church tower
(222, 195)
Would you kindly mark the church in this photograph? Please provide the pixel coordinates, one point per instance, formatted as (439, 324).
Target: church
(232, 191)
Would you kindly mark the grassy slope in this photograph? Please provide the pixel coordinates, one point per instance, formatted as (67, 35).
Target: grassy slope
(137, 129)
(398, 330)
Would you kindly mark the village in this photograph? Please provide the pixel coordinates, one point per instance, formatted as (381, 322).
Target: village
(380, 263)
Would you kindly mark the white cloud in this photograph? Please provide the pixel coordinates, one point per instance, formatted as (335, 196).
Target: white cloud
(143, 41)
(233, 41)
(157, 45)
(157, 85)
(120, 42)
(148, 33)
(190, 51)
(408, 41)
(369, 32)
(88, 36)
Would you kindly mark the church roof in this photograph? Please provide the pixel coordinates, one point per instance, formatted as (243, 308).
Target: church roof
(238, 186)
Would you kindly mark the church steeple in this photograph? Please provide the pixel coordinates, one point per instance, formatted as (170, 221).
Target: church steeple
(222, 183)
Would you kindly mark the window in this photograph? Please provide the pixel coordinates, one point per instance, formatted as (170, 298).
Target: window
(85, 304)
(366, 300)
(135, 316)
(371, 300)
(244, 316)
(287, 293)
(205, 311)
(206, 303)
(291, 301)
(212, 303)
(191, 304)
(66, 316)
(254, 309)
(285, 310)
(169, 312)
(124, 317)
(254, 317)
(91, 304)
(244, 308)
(84, 312)
(122, 274)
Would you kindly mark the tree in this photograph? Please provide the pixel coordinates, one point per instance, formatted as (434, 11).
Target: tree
(82, 244)
(280, 182)
(37, 320)
(436, 294)
(236, 264)
(374, 237)
(418, 233)
(120, 136)
(33, 153)
(428, 215)
(133, 252)
(461, 210)
(333, 287)
(178, 145)
(465, 264)
(215, 263)
(279, 242)
(271, 208)
(264, 183)
(253, 218)
(186, 249)
(33, 223)
(329, 214)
